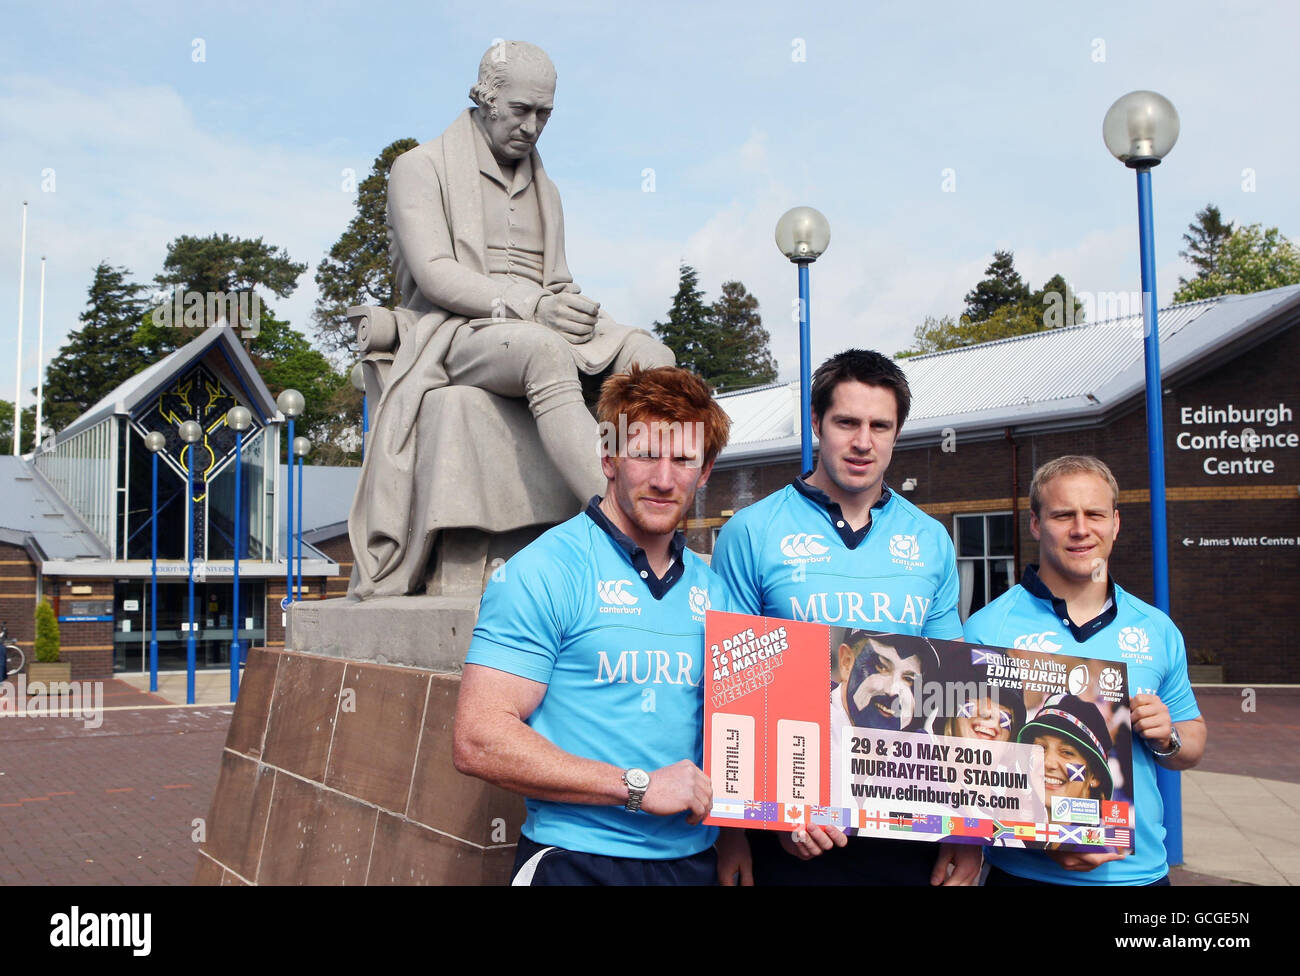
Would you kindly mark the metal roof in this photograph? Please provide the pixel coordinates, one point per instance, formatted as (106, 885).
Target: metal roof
(763, 413)
(1059, 377)
(1052, 365)
(34, 515)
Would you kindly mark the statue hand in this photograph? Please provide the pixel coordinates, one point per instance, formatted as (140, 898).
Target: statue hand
(571, 315)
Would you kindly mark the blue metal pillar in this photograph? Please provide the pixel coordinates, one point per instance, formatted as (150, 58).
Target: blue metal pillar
(1168, 780)
(805, 371)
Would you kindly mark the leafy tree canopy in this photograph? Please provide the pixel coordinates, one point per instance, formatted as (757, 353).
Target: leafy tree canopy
(1015, 310)
(1205, 238)
(357, 270)
(1252, 259)
(98, 356)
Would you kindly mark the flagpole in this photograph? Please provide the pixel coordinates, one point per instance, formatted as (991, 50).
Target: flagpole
(40, 362)
(18, 368)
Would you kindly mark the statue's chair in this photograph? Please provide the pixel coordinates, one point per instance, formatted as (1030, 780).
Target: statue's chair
(490, 489)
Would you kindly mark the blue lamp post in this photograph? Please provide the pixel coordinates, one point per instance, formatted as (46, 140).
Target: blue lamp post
(191, 433)
(1140, 129)
(290, 403)
(359, 384)
(301, 448)
(238, 419)
(803, 234)
(155, 441)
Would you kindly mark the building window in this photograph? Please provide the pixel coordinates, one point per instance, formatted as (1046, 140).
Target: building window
(985, 567)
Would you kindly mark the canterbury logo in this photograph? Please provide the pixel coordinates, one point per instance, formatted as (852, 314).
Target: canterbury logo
(802, 544)
(1037, 642)
(614, 592)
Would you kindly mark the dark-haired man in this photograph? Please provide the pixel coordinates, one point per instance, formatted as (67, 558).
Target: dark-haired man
(583, 683)
(838, 547)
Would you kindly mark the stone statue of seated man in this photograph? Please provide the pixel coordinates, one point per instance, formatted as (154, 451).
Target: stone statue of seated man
(476, 236)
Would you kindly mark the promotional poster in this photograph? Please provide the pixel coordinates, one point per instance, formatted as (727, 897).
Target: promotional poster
(915, 738)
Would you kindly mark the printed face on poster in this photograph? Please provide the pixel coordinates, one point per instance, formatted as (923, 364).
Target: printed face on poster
(915, 738)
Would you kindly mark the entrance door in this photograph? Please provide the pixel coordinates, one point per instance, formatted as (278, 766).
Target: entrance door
(131, 625)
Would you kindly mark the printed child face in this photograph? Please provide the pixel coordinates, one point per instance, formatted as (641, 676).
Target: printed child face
(1065, 768)
(982, 718)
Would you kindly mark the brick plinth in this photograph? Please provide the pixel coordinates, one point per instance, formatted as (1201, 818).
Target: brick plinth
(340, 772)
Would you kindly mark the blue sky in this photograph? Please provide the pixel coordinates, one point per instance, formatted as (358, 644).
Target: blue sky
(147, 143)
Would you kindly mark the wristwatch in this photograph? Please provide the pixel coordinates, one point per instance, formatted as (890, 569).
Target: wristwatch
(637, 782)
(1175, 744)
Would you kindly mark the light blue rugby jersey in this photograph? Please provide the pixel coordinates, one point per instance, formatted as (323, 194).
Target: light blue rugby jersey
(623, 655)
(792, 555)
(1145, 639)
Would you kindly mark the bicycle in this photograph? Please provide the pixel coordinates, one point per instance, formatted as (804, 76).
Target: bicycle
(14, 657)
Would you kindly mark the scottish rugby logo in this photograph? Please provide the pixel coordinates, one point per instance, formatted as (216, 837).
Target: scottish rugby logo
(905, 550)
(1133, 640)
(699, 601)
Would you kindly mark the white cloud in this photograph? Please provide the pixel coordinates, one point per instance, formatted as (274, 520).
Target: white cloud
(134, 169)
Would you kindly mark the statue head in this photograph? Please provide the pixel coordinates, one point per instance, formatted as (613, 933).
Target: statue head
(515, 93)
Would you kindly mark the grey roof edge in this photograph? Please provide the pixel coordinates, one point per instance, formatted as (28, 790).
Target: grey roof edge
(156, 375)
(324, 533)
(1206, 344)
(1030, 336)
(24, 540)
(776, 449)
(756, 389)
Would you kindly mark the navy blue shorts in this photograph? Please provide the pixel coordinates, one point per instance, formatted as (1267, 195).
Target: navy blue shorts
(865, 861)
(538, 865)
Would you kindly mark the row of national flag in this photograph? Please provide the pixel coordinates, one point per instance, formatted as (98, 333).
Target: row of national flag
(769, 813)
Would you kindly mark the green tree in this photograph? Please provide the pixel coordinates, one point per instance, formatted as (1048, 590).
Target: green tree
(1252, 259)
(287, 360)
(28, 422)
(937, 335)
(98, 356)
(1205, 237)
(1001, 285)
(283, 356)
(689, 329)
(47, 634)
(741, 356)
(357, 270)
(1053, 306)
(1057, 304)
(218, 264)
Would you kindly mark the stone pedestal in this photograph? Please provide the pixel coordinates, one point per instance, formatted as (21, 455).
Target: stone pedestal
(338, 769)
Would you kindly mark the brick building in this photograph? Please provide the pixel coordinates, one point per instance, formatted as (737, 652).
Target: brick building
(983, 418)
(77, 520)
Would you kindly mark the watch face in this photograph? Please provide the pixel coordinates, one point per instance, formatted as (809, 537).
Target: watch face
(637, 778)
